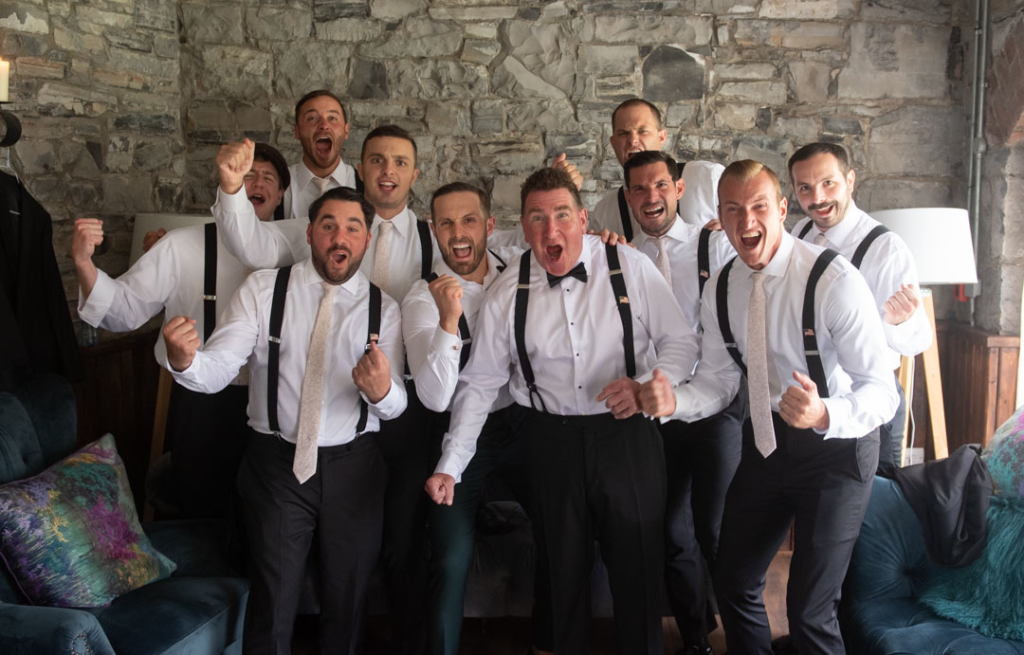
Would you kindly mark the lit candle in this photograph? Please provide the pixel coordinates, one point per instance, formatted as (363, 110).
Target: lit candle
(5, 69)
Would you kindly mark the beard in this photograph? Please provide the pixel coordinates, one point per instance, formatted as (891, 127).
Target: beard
(336, 274)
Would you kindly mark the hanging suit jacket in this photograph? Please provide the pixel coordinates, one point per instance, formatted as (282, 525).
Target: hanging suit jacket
(35, 322)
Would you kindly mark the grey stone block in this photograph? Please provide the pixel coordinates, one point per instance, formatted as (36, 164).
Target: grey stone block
(672, 74)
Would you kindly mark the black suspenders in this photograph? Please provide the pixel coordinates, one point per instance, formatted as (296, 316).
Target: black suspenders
(210, 282)
(622, 302)
(522, 300)
(862, 247)
(426, 251)
(274, 345)
(703, 260)
(815, 369)
(627, 222)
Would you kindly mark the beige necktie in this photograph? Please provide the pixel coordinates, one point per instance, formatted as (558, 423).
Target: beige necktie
(821, 240)
(312, 399)
(382, 256)
(757, 370)
(662, 262)
(322, 184)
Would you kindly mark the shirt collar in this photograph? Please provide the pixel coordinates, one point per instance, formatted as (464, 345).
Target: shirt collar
(402, 221)
(303, 176)
(309, 276)
(677, 231)
(442, 268)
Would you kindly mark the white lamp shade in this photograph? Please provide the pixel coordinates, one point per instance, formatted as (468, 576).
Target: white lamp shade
(148, 222)
(940, 240)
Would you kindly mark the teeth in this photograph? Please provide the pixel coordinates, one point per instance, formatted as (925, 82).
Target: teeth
(750, 235)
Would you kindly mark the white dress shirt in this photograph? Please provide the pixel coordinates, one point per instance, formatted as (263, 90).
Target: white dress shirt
(681, 244)
(169, 277)
(243, 332)
(573, 338)
(886, 265)
(260, 244)
(434, 354)
(302, 191)
(699, 204)
(605, 216)
(862, 390)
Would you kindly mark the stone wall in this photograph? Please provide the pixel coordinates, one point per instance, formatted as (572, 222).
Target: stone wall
(1001, 234)
(126, 101)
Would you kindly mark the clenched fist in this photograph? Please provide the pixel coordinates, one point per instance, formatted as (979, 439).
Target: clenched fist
(562, 164)
(182, 341)
(233, 161)
(447, 293)
(88, 235)
(441, 488)
(372, 374)
(657, 398)
(902, 304)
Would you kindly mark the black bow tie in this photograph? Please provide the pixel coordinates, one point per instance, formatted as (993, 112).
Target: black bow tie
(579, 272)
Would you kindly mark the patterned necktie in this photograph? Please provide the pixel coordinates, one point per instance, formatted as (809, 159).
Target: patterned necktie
(311, 403)
(322, 184)
(757, 370)
(382, 256)
(664, 267)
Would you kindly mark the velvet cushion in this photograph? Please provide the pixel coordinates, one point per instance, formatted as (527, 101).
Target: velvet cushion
(70, 536)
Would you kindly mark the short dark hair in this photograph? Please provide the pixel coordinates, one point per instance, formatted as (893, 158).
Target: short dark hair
(273, 156)
(345, 194)
(548, 179)
(460, 187)
(318, 94)
(393, 131)
(634, 102)
(648, 157)
(821, 148)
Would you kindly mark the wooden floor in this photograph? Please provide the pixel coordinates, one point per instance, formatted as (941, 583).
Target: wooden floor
(510, 636)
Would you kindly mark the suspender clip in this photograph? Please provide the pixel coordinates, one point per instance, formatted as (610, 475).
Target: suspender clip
(523, 286)
(209, 297)
(704, 273)
(811, 353)
(809, 332)
(374, 338)
(273, 339)
(467, 341)
(623, 300)
(617, 271)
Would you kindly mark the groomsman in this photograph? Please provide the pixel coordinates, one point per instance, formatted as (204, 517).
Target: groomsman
(321, 126)
(801, 325)
(320, 339)
(702, 456)
(568, 329)
(823, 183)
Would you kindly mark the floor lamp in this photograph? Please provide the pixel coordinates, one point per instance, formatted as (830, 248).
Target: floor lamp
(940, 240)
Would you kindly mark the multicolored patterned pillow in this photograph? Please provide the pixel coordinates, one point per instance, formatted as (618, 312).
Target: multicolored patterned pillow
(1004, 456)
(70, 536)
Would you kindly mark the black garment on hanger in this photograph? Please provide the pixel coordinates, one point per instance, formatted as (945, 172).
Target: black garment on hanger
(35, 325)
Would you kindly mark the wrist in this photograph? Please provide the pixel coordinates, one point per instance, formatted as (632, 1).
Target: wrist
(230, 187)
(450, 325)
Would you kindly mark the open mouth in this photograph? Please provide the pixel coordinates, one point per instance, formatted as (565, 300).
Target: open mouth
(823, 210)
(633, 151)
(750, 239)
(462, 252)
(653, 211)
(323, 145)
(387, 186)
(257, 199)
(338, 257)
(553, 253)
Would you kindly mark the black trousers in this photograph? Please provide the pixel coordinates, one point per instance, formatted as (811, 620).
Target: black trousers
(701, 458)
(595, 477)
(409, 445)
(206, 434)
(822, 485)
(342, 505)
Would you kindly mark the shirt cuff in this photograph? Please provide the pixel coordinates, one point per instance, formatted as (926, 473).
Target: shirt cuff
(392, 404)
(447, 345)
(232, 202)
(838, 415)
(95, 307)
(450, 464)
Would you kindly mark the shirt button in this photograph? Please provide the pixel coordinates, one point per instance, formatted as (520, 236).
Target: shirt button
(580, 387)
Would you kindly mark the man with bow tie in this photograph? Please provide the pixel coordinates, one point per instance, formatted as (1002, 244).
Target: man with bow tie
(573, 329)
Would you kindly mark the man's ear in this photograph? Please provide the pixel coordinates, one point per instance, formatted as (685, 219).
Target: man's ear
(783, 208)
(490, 225)
(851, 179)
(309, 233)
(359, 171)
(680, 188)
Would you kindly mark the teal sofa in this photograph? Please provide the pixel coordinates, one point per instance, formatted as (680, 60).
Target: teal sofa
(198, 610)
(881, 612)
